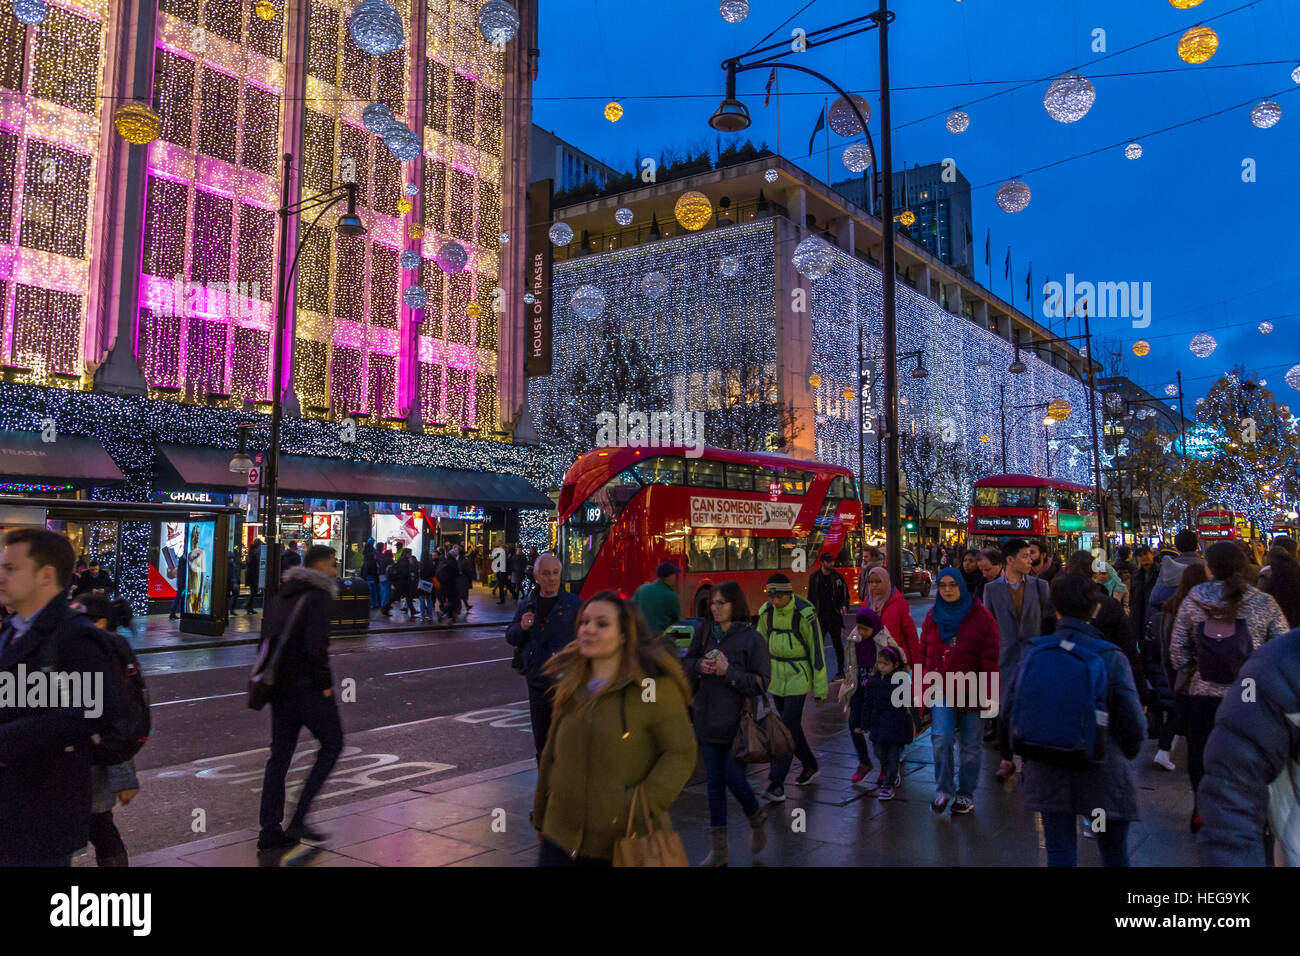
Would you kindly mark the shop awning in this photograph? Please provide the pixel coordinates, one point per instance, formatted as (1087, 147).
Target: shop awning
(207, 469)
(68, 460)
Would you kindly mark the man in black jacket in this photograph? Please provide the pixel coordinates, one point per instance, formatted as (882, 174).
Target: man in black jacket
(252, 569)
(303, 695)
(45, 784)
(830, 596)
(93, 579)
(544, 623)
(1141, 584)
(291, 558)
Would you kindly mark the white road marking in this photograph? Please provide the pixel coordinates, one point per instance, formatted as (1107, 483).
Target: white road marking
(191, 700)
(443, 667)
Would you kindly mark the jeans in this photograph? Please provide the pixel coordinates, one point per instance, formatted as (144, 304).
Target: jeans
(947, 724)
(1200, 721)
(551, 855)
(832, 629)
(539, 714)
(791, 710)
(385, 591)
(1061, 834)
(891, 758)
(291, 710)
(374, 592)
(724, 772)
(426, 604)
(857, 732)
(178, 602)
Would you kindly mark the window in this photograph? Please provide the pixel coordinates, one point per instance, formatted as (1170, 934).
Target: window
(350, 269)
(267, 36)
(261, 145)
(223, 17)
(706, 552)
(323, 43)
(767, 553)
(256, 250)
(785, 551)
(55, 200)
(210, 237)
(173, 97)
(462, 109)
(392, 79)
(354, 151)
(740, 553)
(1006, 497)
(8, 177)
(435, 99)
(383, 287)
(67, 61)
(219, 95)
(388, 183)
(740, 477)
(704, 474)
(13, 48)
(164, 247)
(767, 480)
(461, 205)
(796, 482)
(47, 326)
(663, 470)
(435, 196)
(315, 260)
(318, 144)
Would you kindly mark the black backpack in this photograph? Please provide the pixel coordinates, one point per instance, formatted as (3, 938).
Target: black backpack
(1218, 659)
(129, 732)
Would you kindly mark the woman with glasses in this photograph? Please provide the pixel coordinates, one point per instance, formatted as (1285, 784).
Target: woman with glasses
(727, 663)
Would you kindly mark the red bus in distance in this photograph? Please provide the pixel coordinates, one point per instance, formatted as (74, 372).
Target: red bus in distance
(1026, 506)
(1218, 524)
(723, 516)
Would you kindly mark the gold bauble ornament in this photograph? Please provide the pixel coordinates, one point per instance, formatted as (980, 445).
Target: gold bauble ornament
(984, 439)
(908, 217)
(415, 230)
(613, 111)
(1197, 45)
(1141, 347)
(403, 205)
(848, 394)
(474, 310)
(137, 122)
(265, 9)
(693, 210)
(814, 379)
(1059, 409)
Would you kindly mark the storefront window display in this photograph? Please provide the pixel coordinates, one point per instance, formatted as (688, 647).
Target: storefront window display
(199, 562)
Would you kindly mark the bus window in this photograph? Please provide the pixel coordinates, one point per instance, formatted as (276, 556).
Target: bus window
(848, 557)
(841, 488)
(740, 478)
(795, 482)
(712, 552)
(704, 474)
(767, 481)
(767, 554)
(740, 553)
(785, 549)
(1006, 497)
(663, 470)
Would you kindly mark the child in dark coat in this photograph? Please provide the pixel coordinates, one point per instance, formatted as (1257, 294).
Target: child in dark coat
(889, 722)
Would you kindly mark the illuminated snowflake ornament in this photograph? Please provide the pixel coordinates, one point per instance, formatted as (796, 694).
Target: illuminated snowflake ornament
(1265, 328)
(1012, 196)
(1203, 345)
(813, 257)
(843, 121)
(1266, 114)
(505, 237)
(857, 157)
(30, 12)
(498, 22)
(452, 257)
(654, 284)
(1171, 389)
(957, 122)
(529, 298)
(771, 175)
(408, 149)
(561, 233)
(588, 302)
(1069, 98)
(412, 189)
(734, 11)
(1295, 75)
(376, 27)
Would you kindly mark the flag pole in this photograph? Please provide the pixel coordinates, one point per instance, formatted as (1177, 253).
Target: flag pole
(778, 115)
(826, 106)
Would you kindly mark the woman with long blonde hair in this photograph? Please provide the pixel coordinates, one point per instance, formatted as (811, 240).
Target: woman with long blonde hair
(619, 722)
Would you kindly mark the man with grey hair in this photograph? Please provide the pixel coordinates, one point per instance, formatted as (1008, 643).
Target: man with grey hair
(544, 622)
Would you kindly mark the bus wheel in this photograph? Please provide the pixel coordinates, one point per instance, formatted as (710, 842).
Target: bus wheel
(925, 589)
(701, 604)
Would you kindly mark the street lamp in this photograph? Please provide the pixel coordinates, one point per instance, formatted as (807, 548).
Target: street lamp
(731, 116)
(349, 224)
(241, 464)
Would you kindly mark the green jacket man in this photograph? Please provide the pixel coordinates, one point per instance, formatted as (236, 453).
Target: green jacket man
(794, 640)
(657, 600)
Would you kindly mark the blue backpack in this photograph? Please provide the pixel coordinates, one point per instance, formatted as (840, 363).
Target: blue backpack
(1059, 715)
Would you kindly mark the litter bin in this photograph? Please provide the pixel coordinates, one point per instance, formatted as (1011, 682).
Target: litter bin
(350, 613)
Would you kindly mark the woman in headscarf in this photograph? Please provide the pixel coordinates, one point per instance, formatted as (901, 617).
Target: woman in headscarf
(887, 601)
(959, 637)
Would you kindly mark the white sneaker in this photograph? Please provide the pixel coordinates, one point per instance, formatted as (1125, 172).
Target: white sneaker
(1162, 760)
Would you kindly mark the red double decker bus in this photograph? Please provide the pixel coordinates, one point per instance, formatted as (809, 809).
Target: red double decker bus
(1218, 523)
(722, 516)
(1026, 506)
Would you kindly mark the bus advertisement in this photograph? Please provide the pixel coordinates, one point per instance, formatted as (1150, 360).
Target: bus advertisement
(1026, 506)
(725, 515)
(1220, 524)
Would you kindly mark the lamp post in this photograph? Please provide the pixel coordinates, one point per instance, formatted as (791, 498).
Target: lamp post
(349, 224)
(732, 116)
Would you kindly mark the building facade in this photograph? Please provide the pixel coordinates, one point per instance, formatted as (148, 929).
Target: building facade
(550, 157)
(148, 273)
(719, 317)
(939, 196)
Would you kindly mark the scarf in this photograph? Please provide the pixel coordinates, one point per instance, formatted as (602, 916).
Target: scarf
(949, 614)
(880, 574)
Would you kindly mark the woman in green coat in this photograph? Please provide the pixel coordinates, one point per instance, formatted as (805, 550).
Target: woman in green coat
(619, 722)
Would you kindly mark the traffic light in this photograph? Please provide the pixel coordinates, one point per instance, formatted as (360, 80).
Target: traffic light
(910, 522)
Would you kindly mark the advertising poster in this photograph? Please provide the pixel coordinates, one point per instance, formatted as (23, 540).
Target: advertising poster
(198, 568)
(166, 561)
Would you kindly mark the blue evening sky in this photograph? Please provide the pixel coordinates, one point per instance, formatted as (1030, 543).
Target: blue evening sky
(1220, 254)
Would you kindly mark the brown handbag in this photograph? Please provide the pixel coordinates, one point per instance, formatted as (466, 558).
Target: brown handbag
(655, 848)
(761, 741)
